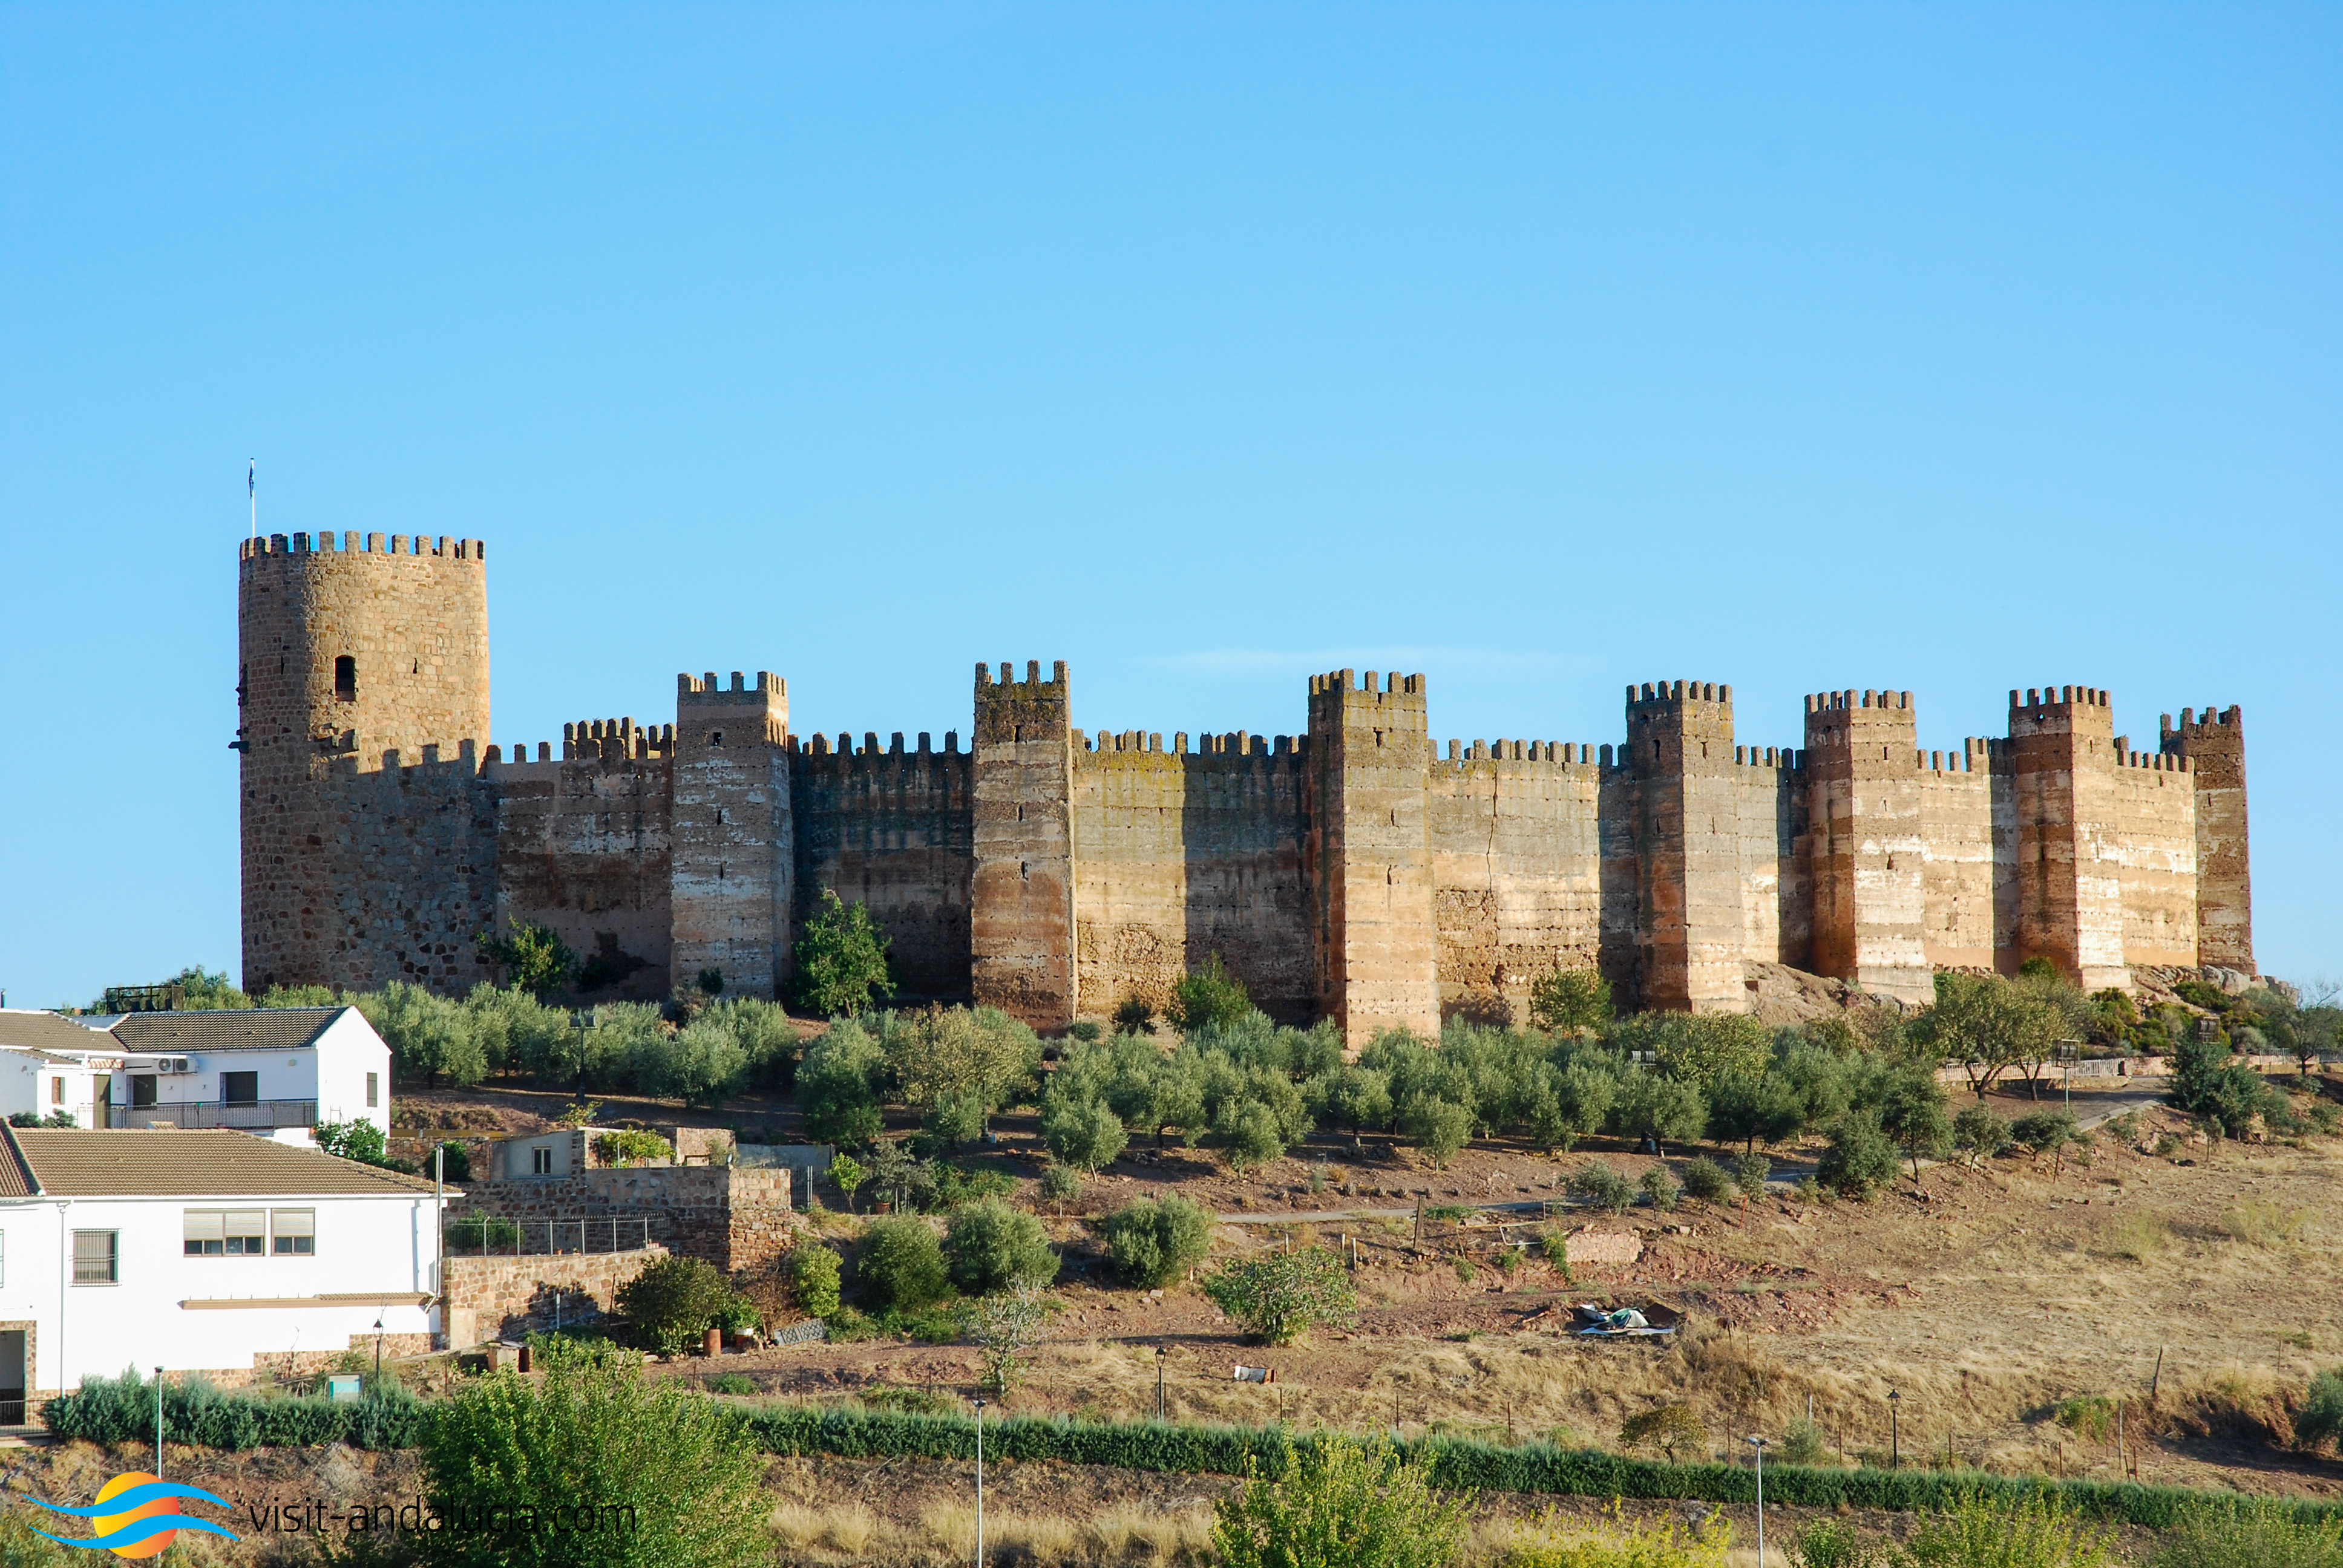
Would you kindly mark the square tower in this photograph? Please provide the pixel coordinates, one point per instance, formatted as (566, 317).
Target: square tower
(2069, 872)
(1689, 937)
(2215, 750)
(1370, 853)
(1867, 845)
(1021, 896)
(734, 844)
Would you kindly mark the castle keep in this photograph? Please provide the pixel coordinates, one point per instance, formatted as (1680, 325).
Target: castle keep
(1356, 872)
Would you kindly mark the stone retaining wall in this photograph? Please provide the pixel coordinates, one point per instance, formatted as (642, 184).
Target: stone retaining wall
(504, 1298)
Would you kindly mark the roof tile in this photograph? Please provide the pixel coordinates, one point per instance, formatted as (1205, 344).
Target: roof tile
(167, 1162)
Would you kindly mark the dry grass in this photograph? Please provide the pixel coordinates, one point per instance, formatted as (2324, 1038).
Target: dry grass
(1121, 1535)
(2138, 1237)
(2258, 1223)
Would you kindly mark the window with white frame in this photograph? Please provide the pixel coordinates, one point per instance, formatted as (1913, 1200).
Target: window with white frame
(226, 1232)
(97, 1255)
(540, 1162)
(294, 1231)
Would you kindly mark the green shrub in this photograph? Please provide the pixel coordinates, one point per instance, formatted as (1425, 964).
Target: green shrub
(990, 1246)
(1153, 1241)
(674, 1301)
(1061, 1185)
(1671, 1429)
(430, 1037)
(1279, 1296)
(1083, 1134)
(1650, 1103)
(1339, 1501)
(1982, 1532)
(838, 1085)
(841, 958)
(813, 1280)
(1802, 1442)
(1982, 1131)
(454, 1163)
(1598, 1184)
(1569, 1000)
(631, 1146)
(483, 1234)
(2320, 1419)
(1248, 1131)
(2259, 1532)
(1705, 1180)
(1438, 1127)
(1860, 1159)
(684, 1469)
(1834, 1543)
(732, 1382)
(1660, 1189)
(122, 1411)
(902, 1264)
(1749, 1173)
(360, 1141)
(534, 959)
(1209, 996)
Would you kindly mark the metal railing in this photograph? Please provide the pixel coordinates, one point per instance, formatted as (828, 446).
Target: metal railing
(492, 1236)
(245, 1115)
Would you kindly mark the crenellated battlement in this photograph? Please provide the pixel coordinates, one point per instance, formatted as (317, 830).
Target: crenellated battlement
(1389, 702)
(706, 688)
(2063, 710)
(279, 546)
(1651, 701)
(1009, 711)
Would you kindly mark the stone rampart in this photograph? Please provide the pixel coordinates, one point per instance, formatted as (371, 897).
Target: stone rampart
(891, 828)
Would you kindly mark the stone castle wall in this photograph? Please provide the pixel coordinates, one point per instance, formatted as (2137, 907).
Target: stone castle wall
(1349, 873)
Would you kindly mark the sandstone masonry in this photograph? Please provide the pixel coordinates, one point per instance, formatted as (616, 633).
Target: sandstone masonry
(1351, 872)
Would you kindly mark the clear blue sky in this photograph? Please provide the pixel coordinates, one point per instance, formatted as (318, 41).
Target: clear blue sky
(1539, 348)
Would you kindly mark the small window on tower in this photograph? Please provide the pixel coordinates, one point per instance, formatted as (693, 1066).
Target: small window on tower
(716, 737)
(346, 678)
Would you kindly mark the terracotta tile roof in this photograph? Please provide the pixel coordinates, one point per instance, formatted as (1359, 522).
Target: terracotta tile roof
(169, 1162)
(47, 1032)
(257, 1029)
(15, 1176)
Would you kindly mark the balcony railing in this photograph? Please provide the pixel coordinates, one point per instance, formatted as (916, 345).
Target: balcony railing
(246, 1115)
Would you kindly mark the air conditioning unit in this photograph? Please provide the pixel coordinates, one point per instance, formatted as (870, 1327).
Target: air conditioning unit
(171, 1064)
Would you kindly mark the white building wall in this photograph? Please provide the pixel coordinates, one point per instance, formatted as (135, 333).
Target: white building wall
(380, 1245)
(27, 1083)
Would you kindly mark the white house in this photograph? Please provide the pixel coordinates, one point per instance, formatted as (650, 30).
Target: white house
(199, 1250)
(260, 1070)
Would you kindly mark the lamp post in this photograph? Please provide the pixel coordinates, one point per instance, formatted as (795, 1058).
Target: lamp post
(158, 1423)
(1759, 1445)
(1894, 1432)
(979, 1481)
(581, 1021)
(1162, 1410)
(378, 1351)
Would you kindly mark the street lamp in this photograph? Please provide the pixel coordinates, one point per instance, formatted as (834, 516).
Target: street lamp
(1759, 1445)
(158, 1423)
(1161, 1413)
(1894, 1432)
(979, 1481)
(378, 1352)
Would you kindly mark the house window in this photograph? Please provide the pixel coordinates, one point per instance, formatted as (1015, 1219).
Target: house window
(374, 1090)
(57, 1091)
(346, 678)
(240, 1088)
(95, 1256)
(142, 1090)
(224, 1232)
(540, 1162)
(296, 1231)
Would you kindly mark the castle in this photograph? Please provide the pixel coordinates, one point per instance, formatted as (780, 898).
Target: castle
(1352, 872)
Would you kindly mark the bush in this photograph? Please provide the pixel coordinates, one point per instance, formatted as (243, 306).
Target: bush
(1615, 1541)
(2045, 1132)
(838, 1085)
(2206, 1082)
(360, 1141)
(684, 1470)
(1438, 1127)
(1982, 1131)
(2320, 1419)
(1061, 1184)
(122, 1411)
(1860, 1160)
(482, 1233)
(1660, 1189)
(1672, 1429)
(1083, 1134)
(841, 958)
(2035, 1532)
(902, 1265)
(1834, 1543)
(700, 1064)
(1598, 1184)
(430, 1037)
(955, 1065)
(1136, 1016)
(813, 1280)
(990, 1247)
(455, 1163)
(1652, 1104)
(1705, 1180)
(1339, 1501)
(1569, 1000)
(1279, 1298)
(1155, 1240)
(732, 1382)
(631, 1146)
(2256, 1533)
(1249, 1132)
(1749, 1173)
(1802, 1442)
(534, 959)
(674, 1301)
(1207, 997)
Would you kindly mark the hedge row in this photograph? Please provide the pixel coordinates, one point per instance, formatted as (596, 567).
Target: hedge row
(123, 1411)
(1457, 1463)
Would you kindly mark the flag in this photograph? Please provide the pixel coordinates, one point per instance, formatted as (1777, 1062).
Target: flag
(252, 479)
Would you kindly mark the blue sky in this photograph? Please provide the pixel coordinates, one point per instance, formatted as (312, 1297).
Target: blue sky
(1539, 348)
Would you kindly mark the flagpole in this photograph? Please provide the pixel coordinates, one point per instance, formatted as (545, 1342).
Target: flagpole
(252, 490)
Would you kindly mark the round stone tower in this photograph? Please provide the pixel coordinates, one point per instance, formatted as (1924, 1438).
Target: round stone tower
(354, 661)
